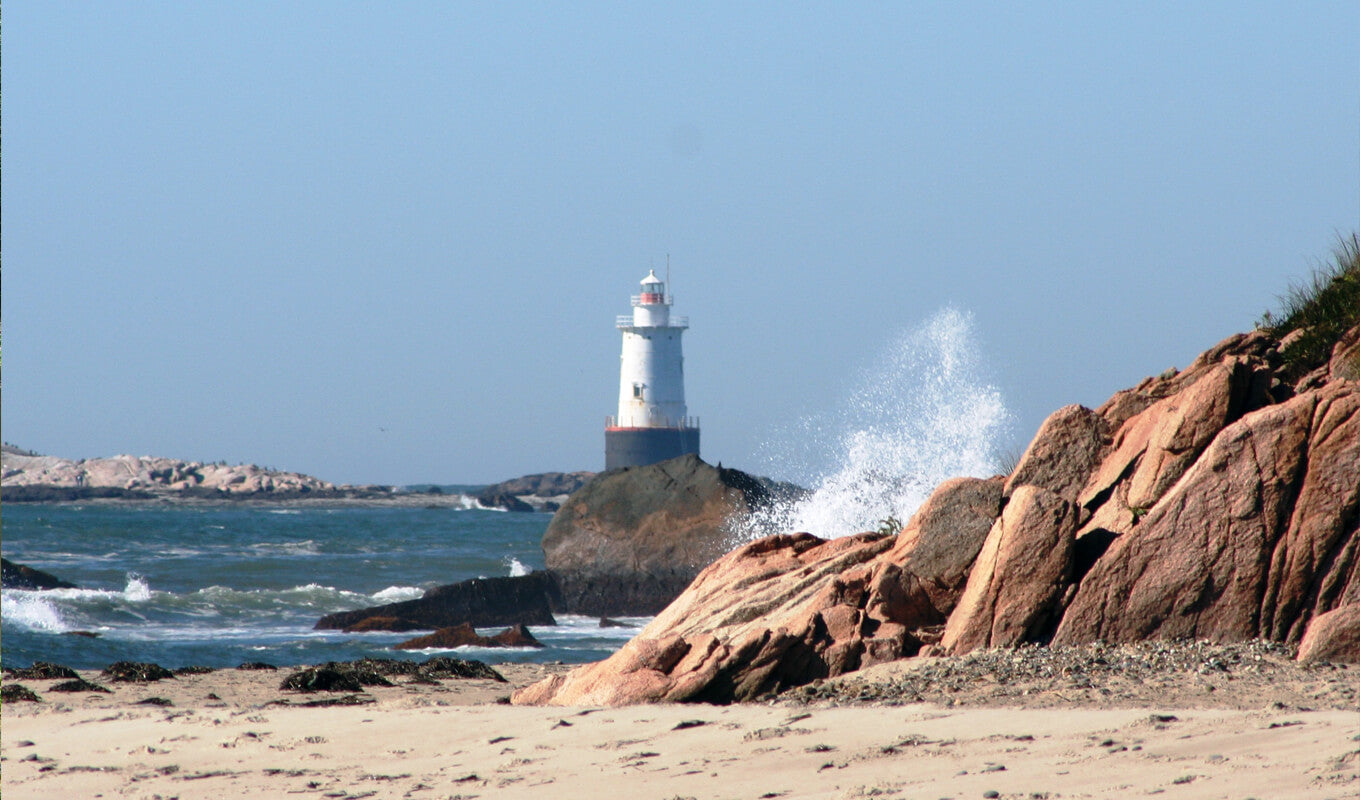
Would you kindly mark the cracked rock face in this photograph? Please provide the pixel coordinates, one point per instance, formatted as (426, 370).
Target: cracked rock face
(1220, 503)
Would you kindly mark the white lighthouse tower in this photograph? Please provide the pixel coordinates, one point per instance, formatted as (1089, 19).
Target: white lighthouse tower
(652, 424)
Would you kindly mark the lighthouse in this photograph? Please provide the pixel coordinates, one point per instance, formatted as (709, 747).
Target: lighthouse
(652, 424)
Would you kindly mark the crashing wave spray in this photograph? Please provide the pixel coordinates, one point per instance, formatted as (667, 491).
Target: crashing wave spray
(920, 415)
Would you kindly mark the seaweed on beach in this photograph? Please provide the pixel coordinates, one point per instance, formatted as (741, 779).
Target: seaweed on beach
(193, 669)
(345, 700)
(79, 685)
(256, 665)
(322, 679)
(17, 692)
(42, 671)
(136, 672)
(446, 667)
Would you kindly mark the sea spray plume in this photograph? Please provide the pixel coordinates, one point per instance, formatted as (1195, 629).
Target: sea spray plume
(919, 415)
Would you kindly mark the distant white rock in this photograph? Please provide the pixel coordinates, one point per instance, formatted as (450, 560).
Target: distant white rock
(148, 473)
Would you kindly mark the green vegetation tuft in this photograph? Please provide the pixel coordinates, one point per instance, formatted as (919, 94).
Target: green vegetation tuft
(890, 526)
(1321, 308)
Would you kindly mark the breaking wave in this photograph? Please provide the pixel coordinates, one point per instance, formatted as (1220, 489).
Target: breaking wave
(920, 415)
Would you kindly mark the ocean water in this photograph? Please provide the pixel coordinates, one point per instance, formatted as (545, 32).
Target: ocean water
(221, 585)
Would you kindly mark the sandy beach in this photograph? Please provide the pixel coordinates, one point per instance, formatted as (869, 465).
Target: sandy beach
(224, 734)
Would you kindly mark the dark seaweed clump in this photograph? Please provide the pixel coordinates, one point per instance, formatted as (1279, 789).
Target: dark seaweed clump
(136, 672)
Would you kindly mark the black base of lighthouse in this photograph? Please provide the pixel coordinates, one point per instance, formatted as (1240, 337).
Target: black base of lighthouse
(636, 447)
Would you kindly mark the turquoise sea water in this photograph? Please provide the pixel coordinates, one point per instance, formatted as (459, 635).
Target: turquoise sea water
(221, 585)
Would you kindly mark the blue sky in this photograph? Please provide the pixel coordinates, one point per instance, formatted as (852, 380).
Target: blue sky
(387, 242)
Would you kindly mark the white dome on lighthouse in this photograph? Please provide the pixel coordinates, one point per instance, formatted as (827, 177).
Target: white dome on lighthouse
(651, 278)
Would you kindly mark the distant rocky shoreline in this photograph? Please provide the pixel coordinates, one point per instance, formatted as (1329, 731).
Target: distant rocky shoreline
(29, 477)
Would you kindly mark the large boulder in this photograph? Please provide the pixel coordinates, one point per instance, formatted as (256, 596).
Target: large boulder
(1256, 538)
(1333, 636)
(788, 609)
(629, 541)
(1019, 576)
(483, 602)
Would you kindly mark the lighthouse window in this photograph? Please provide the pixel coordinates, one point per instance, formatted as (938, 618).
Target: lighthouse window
(637, 390)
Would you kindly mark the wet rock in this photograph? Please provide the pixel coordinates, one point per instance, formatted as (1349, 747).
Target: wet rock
(18, 576)
(533, 492)
(390, 624)
(482, 602)
(466, 636)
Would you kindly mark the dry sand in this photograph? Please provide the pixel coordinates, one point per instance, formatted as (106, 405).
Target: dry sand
(457, 738)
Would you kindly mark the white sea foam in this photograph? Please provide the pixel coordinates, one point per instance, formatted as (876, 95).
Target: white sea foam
(396, 594)
(920, 415)
(516, 567)
(305, 547)
(32, 611)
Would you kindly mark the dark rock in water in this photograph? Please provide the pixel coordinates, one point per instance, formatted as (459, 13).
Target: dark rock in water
(388, 624)
(516, 636)
(136, 672)
(79, 685)
(538, 488)
(18, 576)
(86, 634)
(42, 671)
(194, 669)
(503, 500)
(66, 494)
(606, 622)
(464, 636)
(251, 666)
(322, 679)
(17, 692)
(482, 602)
(629, 541)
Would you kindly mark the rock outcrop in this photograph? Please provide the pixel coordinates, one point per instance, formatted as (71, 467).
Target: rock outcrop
(788, 609)
(629, 541)
(482, 602)
(28, 477)
(1219, 503)
(545, 491)
(18, 576)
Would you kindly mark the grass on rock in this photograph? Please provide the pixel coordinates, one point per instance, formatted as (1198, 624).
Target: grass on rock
(1321, 308)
